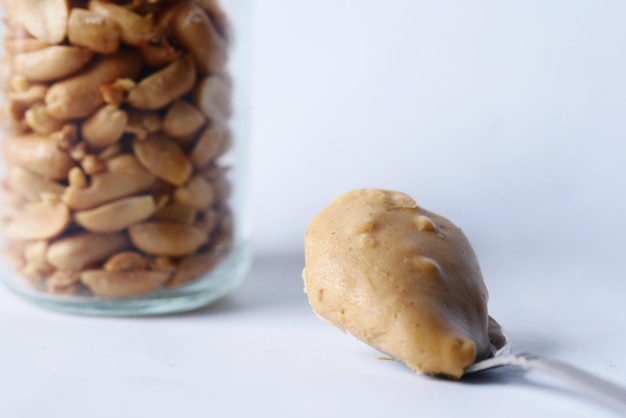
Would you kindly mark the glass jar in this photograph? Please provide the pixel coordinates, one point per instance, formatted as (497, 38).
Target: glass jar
(124, 153)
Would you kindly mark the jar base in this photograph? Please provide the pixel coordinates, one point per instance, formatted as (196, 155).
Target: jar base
(227, 275)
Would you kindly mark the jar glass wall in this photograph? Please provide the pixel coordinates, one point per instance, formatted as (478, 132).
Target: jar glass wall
(124, 145)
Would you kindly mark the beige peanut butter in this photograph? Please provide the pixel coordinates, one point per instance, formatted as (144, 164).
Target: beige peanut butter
(399, 278)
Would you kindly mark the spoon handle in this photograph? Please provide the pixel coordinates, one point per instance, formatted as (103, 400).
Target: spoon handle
(611, 394)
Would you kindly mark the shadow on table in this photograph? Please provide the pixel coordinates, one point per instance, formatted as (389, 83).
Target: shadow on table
(273, 280)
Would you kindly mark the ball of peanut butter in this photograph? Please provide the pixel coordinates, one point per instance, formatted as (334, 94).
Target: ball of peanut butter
(399, 278)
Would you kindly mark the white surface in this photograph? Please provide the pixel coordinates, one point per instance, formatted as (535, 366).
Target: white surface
(506, 116)
(262, 352)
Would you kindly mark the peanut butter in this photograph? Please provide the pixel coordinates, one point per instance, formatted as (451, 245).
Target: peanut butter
(399, 278)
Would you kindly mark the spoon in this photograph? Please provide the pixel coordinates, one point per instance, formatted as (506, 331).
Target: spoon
(611, 394)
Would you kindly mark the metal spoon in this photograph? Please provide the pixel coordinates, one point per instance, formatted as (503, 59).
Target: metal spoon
(610, 394)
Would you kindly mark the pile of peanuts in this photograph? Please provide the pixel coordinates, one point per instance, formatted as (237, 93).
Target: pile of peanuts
(115, 119)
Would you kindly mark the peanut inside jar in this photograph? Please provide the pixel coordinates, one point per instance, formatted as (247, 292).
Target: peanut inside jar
(115, 123)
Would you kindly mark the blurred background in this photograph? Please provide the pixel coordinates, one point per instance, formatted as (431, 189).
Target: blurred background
(506, 117)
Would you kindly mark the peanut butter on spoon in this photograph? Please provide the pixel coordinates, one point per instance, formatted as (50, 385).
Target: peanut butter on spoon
(399, 278)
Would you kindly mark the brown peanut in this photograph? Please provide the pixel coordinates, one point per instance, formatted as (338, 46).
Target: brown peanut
(197, 193)
(164, 86)
(45, 20)
(134, 29)
(213, 97)
(80, 250)
(94, 31)
(37, 221)
(63, 282)
(126, 261)
(212, 143)
(182, 120)
(40, 121)
(51, 63)
(117, 215)
(163, 158)
(122, 284)
(124, 176)
(38, 154)
(193, 267)
(176, 213)
(30, 95)
(30, 185)
(167, 239)
(191, 23)
(22, 44)
(79, 96)
(104, 127)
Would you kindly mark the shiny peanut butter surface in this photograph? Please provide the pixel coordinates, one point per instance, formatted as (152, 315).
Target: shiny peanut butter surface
(399, 278)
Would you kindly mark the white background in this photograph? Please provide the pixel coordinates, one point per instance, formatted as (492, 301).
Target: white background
(508, 117)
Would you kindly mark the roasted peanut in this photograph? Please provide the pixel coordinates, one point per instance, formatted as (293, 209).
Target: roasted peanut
(122, 284)
(51, 63)
(164, 86)
(38, 154)
(77, 251)
(124, 176)
(193, 267)
(79, 96)
(197, 193)
(141, 123)
(163, 158)
(222, 188)
(168, 239)
(30, 185)
(23, 44)
(182, 120)
(189, 24)
(117, 215)
(213, 97)
(126, 261)
(212, 143)
(40, 121)
(104, 127)
(134, 29)
(92, 165)
(29, 96)
(161, 263)
(206, 221)
(218, 17)
(115, 93)
(12, 119)
(94, 31)
(37, 221)
(158, 56)
(110, 152)
(45, 20)
(63, 282)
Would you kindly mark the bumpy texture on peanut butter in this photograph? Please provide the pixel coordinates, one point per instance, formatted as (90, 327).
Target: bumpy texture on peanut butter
(399, 278)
